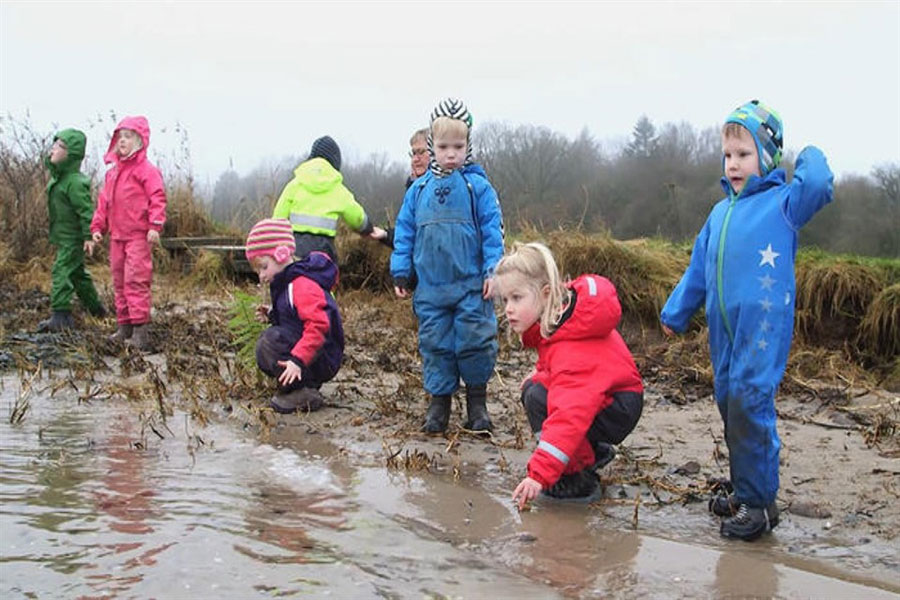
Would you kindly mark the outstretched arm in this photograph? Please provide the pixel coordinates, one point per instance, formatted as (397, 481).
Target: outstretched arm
(811, 188)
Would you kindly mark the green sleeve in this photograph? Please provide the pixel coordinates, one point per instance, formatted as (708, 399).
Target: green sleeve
(79, 193)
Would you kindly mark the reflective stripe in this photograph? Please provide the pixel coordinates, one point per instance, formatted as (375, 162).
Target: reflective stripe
(553, 451)
(313, 221)
(291, 294)
(592, 286)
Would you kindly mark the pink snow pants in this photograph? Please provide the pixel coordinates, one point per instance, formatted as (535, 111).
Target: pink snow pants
(132, 271)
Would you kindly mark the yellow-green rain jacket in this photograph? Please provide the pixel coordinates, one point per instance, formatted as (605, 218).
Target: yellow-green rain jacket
(316, 198)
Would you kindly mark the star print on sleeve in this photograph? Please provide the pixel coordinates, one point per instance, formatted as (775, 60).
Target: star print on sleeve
(768, 256)
(762, 344)
(766, 304)
(766, 282)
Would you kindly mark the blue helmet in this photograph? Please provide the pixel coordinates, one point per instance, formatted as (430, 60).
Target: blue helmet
(765, 126)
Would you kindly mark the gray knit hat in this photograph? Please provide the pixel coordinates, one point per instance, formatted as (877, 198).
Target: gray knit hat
(325, 147)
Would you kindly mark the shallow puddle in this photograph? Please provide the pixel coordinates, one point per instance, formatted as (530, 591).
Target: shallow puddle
(95, 504)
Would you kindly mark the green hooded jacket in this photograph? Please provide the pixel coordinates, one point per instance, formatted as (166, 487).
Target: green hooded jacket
(69, 192)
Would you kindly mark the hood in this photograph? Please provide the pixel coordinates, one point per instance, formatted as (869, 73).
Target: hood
(474, 169)
(75, 142)
(138, 124)
(755, 183)
(317, 175)
(595, 313)
(317, 266)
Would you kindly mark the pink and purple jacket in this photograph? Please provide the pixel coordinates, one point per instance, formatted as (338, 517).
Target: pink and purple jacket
(133, 198)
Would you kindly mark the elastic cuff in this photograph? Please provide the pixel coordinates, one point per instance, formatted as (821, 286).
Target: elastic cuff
(401, 282)
(297, 362)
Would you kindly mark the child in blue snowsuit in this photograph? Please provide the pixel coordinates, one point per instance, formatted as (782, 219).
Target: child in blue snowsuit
(449, 235)
(742, 267)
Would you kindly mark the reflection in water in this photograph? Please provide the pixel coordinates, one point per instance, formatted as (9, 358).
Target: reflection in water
(560, 548)
(126, 497)
(740, 575)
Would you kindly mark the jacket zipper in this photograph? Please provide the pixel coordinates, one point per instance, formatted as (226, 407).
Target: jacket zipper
(719, 268)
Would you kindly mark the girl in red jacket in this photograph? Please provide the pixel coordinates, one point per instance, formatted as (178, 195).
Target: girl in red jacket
(585, 393)
(132, 208)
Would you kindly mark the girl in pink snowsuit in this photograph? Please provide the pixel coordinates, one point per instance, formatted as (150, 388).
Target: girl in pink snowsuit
(132, 208)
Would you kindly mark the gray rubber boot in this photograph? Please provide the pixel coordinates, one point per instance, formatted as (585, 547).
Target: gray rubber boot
(140, 337)
(122, 334)
(60, 320)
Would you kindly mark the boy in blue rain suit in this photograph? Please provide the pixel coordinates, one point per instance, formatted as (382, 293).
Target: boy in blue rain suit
(742, 266)
(449, 235)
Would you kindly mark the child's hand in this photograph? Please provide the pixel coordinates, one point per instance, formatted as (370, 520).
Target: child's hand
(667, 330)
(487, 290)
(89, 247)
(378, 233)
(262, 313)
(97, 237)
(152, 237)
(526, 491)
(290, 374)
(401, 292)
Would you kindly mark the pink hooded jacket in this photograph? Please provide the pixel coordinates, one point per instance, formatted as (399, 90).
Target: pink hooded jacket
(133, 198)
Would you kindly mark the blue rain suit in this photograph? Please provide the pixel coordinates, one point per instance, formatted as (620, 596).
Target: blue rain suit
(742, 266)
(449, 235)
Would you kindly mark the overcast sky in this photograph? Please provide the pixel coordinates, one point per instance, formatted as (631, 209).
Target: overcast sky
(260, 81)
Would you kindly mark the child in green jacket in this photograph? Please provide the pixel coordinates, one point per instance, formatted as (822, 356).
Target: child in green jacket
(70, 209)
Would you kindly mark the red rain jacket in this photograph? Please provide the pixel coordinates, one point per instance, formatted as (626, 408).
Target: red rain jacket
(582, 363)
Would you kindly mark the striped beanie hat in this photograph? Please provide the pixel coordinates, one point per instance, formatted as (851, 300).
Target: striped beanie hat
(271, 237)
(767, 130)
(452, 108)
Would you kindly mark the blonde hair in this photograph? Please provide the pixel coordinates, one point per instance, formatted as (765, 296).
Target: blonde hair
(447, 127)
(732, 129)
(421, 134)
(534, 262)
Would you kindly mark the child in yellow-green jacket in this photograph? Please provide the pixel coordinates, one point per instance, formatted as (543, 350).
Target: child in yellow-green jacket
(316, 198)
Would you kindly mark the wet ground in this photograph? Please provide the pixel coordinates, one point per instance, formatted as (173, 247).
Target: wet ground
(95, 504)
(163, 476)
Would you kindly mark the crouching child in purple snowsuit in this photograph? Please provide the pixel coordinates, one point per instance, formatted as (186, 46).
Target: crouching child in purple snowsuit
(305, 344)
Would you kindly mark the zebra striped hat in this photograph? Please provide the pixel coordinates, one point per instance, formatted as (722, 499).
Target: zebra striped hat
(271, 237)
(453, 108)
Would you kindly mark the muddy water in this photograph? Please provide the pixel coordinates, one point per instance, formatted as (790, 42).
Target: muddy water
(92, 507)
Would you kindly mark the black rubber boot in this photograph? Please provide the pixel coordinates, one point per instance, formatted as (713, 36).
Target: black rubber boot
(476, 409)
(603, 455)
(750, 523)
(575, 485)
(60, 320)
(438, 416)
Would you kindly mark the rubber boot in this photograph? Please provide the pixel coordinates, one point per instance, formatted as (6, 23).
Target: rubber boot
(60, 320)
(122, 334)
(438, 416)
(302, 399)
(476, 409)
(140, 337)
